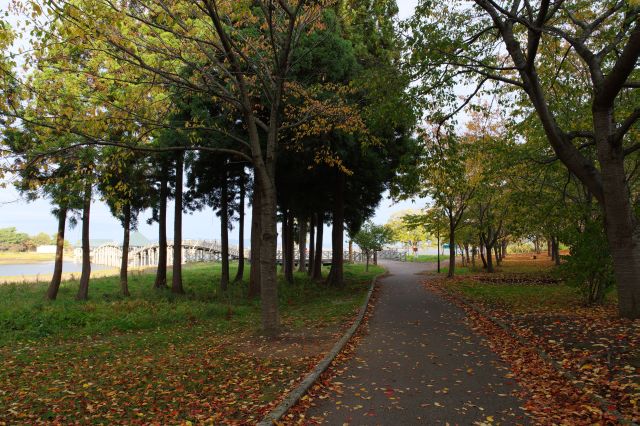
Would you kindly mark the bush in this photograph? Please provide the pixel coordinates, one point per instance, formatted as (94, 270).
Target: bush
(589, 267)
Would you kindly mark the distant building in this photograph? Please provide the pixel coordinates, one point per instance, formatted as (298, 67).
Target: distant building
(47, 249)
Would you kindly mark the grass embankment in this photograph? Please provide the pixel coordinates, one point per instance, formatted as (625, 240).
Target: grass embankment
(590, 342)
(157, 357)
(11, 257)
(426, 258)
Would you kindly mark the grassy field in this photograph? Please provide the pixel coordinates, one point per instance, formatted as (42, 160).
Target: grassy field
(427, 258)
(10, 257)
(159, 357)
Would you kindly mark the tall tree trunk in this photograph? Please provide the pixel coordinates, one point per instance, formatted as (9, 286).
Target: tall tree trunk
(317, 267)
(268, 249)
(176, 284)
(549, 253)
(553, 248)
(161, 272)
(452, 247)
(496, 251)
(256, 237)
(224, 232)
(83, 290)
(290, 248)
(126, 225)
(54, 286)
(350, 251)
(474, 253)
(490, 268)
(366, 268)
(312, 245)
(556, 256)
(240, 273)
(336, 275)
(505, 245)
(466, 249)
(302, 244)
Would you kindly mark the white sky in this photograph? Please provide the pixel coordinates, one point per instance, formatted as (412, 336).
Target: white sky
(36, 216)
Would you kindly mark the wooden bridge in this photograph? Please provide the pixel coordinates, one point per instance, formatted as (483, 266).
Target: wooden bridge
(192, 251)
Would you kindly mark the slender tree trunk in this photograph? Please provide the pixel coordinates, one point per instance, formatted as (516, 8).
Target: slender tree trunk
(312, 245)
(256, 237)
(452, 247)
(375, 258)
(367, 265)
(283, 241)
(126, 225)
(302, 245)
(176, 284)
(553, 248)
(505, 245)
(224, 232)
(350, 251)
(317, 267)
(161, 272)
(549, 253)
(336, 275)
(496, 251)
(240, 273)
(556, 255)
(466, 249)
(54, 286)
(290, 248)
(482, 246)
(83, 290)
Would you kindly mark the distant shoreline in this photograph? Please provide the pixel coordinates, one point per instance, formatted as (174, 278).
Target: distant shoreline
(12, 257)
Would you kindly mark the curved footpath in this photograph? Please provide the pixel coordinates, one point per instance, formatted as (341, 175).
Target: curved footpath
(420, 364)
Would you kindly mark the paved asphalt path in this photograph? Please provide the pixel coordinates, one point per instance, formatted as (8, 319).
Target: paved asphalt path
(420, 364)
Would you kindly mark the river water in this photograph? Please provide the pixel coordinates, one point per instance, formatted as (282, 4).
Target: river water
(44, 268)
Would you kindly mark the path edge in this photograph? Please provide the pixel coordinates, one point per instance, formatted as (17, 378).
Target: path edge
(295, 395)
(599, 401)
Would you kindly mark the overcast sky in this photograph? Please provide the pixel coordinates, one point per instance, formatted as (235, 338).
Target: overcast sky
(36, 216)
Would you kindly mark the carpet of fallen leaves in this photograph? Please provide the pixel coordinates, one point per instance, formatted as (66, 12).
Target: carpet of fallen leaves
(599, 351)
(159, 377)
(326, 385)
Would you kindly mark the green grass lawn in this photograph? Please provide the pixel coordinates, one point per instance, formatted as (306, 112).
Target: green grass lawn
(426, 258)
(159, 358)
(25, 314)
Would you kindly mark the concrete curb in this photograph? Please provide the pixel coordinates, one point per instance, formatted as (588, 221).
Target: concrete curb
(294, 396)
(598, 400)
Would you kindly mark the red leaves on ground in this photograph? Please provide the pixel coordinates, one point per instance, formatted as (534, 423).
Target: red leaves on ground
(598, 349)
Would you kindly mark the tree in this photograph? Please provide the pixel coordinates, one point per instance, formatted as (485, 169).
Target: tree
(528, 47)
(372, 238)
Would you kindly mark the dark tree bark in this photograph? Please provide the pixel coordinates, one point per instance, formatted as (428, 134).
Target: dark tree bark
(126, 226)
(553, 248)
(482, 257)
(350, 251)
(224, 232)
(317, 267)
(302, 244)
(176, 284)
(556, 255)
(256, 235)
(474, 253)
(83, 290)
(289, 258)
(54, 286)
(505, 245)
(452, 246)
(496, 251)
(312, 245)
(375, 258)
(161, 273)
(549, 253)
(240, 273)
(489, 259)
(466, 249)
(336, 275)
